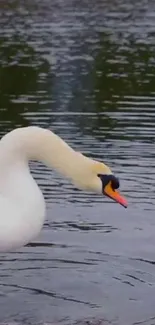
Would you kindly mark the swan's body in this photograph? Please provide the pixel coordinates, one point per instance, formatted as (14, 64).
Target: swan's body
(22, 206)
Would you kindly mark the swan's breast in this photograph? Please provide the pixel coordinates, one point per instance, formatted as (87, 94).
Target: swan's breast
(22, 208)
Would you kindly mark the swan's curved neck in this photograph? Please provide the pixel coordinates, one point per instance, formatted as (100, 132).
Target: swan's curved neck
(34, 143)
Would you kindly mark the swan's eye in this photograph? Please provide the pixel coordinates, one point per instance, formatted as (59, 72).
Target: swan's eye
(105, 179)
(115, 183)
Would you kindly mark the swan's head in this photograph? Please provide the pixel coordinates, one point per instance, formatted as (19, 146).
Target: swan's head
(100, 179)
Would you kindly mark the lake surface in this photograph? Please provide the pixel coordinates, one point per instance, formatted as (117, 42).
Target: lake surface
(86, 70)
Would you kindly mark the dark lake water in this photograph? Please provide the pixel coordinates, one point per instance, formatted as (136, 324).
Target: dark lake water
(86, 70)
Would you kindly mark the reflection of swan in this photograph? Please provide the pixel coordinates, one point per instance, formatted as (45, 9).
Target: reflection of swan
(22, 207)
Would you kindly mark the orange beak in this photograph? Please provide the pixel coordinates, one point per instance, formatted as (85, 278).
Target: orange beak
(114, 195)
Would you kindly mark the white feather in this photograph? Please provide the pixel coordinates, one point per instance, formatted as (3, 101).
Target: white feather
(22, 206)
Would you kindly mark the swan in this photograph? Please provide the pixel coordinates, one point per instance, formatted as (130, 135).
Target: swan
(22, 205)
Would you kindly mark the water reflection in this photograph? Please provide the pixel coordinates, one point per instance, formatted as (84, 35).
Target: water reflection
(85, 70)
(117, 91)
(24, 82)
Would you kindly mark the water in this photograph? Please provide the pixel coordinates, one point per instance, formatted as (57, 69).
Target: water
(85, 70)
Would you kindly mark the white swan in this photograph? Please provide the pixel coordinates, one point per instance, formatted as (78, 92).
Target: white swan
(22, 207)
